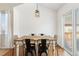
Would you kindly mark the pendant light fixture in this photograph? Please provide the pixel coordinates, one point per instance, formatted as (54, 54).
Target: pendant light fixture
(36, 11)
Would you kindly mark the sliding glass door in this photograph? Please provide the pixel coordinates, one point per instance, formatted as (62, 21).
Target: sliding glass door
(71, 32)
(68, 31)
(77, 32)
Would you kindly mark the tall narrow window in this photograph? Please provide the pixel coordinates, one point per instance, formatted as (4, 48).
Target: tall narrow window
(4, 33)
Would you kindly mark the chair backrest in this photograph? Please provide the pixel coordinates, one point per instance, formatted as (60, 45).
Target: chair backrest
(27, 41)
(43, 42)
(41, 34)
(32, 34)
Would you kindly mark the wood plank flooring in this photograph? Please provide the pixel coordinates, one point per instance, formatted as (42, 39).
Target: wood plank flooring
(12, 52)
(58, 51)
(6, 52)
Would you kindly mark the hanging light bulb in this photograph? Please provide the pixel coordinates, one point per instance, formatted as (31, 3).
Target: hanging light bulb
(36, 12)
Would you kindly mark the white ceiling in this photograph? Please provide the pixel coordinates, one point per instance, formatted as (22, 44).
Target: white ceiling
(53, 6)
(10, 4)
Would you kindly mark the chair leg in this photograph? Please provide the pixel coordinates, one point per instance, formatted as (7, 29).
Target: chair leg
(34, 53)
(43, 53)
(39, 53)
(28, 53)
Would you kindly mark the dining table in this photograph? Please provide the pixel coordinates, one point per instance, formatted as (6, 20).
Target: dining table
(35, 39)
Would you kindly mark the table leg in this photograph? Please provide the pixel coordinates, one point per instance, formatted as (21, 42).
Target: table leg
(51, 48)
(23, 47)
(36, 48)
(17, 48)
(54, 48)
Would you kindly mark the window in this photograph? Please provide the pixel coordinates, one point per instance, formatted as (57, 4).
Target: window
(4, 33)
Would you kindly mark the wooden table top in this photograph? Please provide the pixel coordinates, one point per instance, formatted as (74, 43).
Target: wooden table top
(35, 38)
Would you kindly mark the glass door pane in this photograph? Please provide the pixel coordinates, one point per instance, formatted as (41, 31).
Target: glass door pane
(68, 32)
(77, 32)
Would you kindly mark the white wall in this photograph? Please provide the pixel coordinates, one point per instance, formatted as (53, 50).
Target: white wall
(26, 23)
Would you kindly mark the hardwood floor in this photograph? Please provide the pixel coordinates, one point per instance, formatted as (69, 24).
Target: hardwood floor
(6, 52)
(58, 51)
(12, 52)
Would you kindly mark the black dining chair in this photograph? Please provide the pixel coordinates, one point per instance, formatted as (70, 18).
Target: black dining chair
(42, 48)
(30, 47)
(42, 34)
(32, 34)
